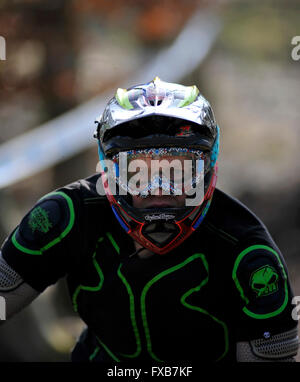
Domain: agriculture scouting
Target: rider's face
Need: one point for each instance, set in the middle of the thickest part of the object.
(158, 199)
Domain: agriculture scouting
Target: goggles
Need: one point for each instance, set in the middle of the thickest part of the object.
(160, 171)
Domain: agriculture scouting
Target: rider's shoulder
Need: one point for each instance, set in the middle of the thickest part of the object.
(254, 246)
(86, 189)
(233, 219)
(82, 192)
(58, 214)
(70, 198)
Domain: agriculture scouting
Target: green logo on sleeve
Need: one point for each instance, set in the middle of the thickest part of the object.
(264, 281)
(39, 220)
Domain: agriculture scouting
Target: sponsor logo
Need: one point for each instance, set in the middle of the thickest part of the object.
(264, 281)
(39, 220)
(159, 217)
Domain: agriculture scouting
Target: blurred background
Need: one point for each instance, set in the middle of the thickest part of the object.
(65, 59)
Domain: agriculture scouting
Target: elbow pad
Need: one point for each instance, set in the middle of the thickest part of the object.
(15, 292)
(279, 347)
(9, 279)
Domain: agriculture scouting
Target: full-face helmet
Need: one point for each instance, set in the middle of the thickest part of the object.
(158, 120)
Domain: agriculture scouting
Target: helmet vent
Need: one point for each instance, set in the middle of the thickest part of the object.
(153, 103)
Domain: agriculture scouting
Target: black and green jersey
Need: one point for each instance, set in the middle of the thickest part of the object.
(226, 283)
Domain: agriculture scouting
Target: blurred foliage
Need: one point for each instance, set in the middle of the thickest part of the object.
(261, 30)
(60, 52)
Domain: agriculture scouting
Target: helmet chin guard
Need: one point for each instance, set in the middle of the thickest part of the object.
(158, 115)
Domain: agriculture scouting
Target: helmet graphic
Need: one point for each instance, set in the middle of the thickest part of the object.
(158, 119)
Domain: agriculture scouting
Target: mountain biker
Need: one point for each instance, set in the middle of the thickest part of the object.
(155, 272)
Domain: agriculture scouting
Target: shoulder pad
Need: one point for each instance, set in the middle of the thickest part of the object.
(46, 224)
(261, 278)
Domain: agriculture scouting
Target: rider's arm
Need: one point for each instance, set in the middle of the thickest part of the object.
(16, 293)
(38, 252)
(266, 330)
(281, 347)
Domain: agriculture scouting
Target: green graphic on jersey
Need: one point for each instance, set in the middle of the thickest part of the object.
(264, 281)
(39, 220)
